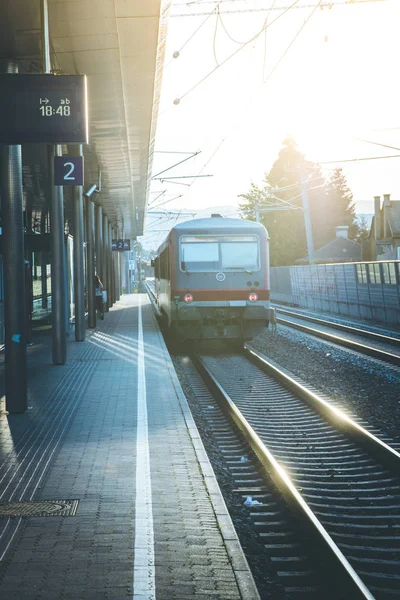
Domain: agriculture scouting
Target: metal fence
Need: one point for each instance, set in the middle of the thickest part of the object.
(368, 291)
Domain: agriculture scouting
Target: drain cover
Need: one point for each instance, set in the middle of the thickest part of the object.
(42, 508)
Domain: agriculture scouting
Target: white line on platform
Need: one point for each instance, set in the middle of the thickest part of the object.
(144, 587)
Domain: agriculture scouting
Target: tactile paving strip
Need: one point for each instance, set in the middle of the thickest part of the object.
(42, 508)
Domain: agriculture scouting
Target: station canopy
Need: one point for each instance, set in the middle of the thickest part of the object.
(119, 45)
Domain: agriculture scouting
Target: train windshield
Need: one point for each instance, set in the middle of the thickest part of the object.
(219, 253)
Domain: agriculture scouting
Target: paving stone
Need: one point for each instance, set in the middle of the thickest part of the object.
(93, 459)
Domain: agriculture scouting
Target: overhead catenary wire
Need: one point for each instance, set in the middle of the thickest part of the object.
(194, 33)
(327, 162)
(354, 160)
(289, 202)
(379, 144)
(315, 7)
(155, 199)
(219, 18)
(252, 39)
(167, 201)
(176, 164)
(326, 4)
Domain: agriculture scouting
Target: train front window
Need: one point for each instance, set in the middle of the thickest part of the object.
(199, 256)
(219, 253)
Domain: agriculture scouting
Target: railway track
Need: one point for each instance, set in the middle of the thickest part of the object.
(339, 480)
(363, 341)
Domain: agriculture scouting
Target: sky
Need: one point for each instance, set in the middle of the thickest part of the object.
(328, 77)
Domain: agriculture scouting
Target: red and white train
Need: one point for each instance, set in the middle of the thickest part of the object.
(212, 279)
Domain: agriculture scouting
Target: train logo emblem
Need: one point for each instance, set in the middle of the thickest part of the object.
(220, 276)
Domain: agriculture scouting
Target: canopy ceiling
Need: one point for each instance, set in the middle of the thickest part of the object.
(119, 45)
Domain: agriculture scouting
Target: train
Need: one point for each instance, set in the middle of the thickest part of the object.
(212, 279)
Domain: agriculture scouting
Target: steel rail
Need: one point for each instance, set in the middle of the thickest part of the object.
(379, 337)
(341, 341)
(355, 588)
(389, 457)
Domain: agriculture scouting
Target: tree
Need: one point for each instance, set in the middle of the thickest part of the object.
(280, 205)
(340, 204)
(330, 204)
(362, 230)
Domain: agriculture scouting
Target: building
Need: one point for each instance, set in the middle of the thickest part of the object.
(339, 250)
(384, 238)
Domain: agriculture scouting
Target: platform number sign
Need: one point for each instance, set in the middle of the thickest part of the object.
(120, 245)
(68, 170)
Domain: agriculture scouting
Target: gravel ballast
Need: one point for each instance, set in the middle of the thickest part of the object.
(364, 387)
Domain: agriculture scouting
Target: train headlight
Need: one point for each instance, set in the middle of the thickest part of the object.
(188, 298)
(253, 297)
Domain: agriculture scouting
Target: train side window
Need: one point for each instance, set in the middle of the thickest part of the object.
(163, 270)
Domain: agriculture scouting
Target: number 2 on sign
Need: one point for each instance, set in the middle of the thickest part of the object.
(72, 169)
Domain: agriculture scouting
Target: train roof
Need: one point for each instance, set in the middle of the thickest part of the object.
(217, 222)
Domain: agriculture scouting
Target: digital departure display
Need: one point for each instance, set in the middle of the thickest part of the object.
(43, 109)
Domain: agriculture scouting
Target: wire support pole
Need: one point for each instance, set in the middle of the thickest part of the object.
(307, 217)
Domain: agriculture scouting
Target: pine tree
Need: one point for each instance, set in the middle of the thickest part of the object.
(282, 211)
(341, 209)
(362, 230)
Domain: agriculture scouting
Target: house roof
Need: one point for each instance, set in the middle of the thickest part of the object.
(338, 250)
(393, 216)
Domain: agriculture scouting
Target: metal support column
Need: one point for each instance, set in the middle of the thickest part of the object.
(14, 274)
(111, 272)
(79, 257)
(58, 266)
(127, 274)
(99, 241)
(43, 260)
(116, 256)
(57, 243)
(90, 270)
(121, 262)
(105, 279)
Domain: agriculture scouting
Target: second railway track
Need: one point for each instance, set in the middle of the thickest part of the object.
(347, 479)
(363, 341)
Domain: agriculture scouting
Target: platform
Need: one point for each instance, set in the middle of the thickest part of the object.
(106, 491)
